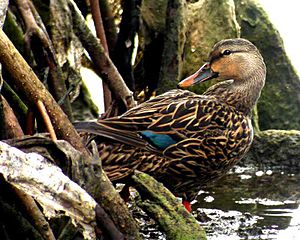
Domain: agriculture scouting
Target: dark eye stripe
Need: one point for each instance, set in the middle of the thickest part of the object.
(215, 57)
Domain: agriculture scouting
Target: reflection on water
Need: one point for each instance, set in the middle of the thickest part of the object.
(251, 204)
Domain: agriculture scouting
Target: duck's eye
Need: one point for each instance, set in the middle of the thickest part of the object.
(226, 52)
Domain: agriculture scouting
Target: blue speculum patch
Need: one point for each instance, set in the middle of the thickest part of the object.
(161, 141)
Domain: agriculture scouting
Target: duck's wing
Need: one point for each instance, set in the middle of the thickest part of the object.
(163, 121)
(102, 129)
(127, 128)
(143, 115)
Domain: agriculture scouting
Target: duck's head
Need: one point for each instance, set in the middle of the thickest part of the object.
(231, 59)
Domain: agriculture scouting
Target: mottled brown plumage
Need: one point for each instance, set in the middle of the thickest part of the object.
(183, 139)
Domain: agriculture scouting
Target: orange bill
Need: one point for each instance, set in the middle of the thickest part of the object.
(203, 74)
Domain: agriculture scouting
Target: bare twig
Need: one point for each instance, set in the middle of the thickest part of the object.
(96, 13)
(30, 120)
(35, 28)
(47, 121)
(95, 9)
(108, 19)
(29, 85)
(9, 124)
(104, 66)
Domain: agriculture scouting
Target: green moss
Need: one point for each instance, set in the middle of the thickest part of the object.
(14, 32)
(162, 206)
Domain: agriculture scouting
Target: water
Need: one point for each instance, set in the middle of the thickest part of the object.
(247, 203)
(251, 203)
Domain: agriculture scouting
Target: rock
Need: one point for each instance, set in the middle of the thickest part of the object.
(207, 23)
(154, 14)
(278, 107)
(275, 148)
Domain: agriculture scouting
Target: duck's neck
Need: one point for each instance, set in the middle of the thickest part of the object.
(242, 95)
